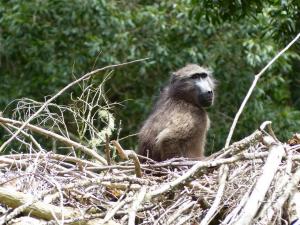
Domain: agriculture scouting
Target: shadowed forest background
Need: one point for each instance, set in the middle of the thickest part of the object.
(44, 45)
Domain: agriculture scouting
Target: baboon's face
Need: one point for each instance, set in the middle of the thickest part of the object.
(204, 88)
(195, 86)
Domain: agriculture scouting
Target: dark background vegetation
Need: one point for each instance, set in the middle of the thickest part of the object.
(44, 44)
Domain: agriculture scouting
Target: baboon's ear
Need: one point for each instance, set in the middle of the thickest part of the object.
(173, 78)
(161, 89)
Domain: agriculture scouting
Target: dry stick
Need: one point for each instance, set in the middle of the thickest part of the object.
(256, 78)
(290, 188)
(120, 150)
(129, 154)
(263, 184)
(243, 144)
(30, 137)
(63, 158)
(27, 204)
(180, 211)
(18, 200)
(229, 151)
(102, 179)
(9, 131)
(20, 159)
(252, 88)
(235, 211)
(58, 187)
(11, 162)
(137, 165)
(140, 196)
(226, 151)
(214, 208)
(239, 146)
(59, 93)
(265, 215)
(28, 220)
(164, 215)
(184, 220)
(107, 150)
(294, 208)
(85, 219)
(271, 132)
(233, 149)
(111, 213)
(200, 165)
(56, 136)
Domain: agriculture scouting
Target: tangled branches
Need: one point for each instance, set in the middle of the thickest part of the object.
(253, 181)
(63, 189)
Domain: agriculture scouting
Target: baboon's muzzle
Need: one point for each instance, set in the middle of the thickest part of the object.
(206, 99)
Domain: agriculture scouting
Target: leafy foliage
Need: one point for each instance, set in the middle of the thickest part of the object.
(44, 44)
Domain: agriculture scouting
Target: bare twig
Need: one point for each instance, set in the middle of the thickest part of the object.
(42, 210)
(86, 76)
(110, 214)
(256, 78)
(129, 154)
(266, 213)
(289, 190)
(107, 150)
(239, 145)
(137, 166)
(180, 211)
(234, 213)
(216, 204)
(139, 198)
(56, 136)
(200, 165)
(294, 208)
(120, 150)
(117, 195)
(271, 166)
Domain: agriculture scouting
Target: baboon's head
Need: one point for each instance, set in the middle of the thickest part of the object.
(193, 84)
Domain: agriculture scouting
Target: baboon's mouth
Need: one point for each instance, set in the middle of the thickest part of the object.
(207, 102)
(209, 99)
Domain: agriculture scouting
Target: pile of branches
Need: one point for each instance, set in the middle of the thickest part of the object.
(71, 173)
(253, 181)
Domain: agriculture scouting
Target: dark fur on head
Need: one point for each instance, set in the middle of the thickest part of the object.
(179, 122)
(183, 85)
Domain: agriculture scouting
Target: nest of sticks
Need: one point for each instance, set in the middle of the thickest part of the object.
(253, 181)
(62, 178)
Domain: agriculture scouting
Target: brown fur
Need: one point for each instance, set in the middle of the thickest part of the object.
(178, 124)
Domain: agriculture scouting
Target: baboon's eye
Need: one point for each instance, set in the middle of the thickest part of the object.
(199, 75)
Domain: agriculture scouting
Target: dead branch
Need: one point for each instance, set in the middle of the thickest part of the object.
(294, 208)
(128, 154)
(239, 146)
(107, 149)
(180, 211)
(216, 204)
(69, 142)
(113, 193)
(256, 78)
(38, 209)
(139, 198)
(263, 184)
(251, 178)
(200, 165)
(84, 77)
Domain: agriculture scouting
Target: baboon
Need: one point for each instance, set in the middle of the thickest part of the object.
(178, 123)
